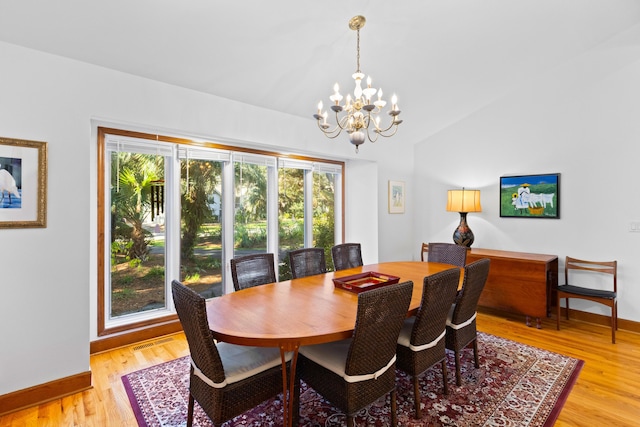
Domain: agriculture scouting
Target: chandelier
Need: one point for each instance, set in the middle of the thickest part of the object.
(359, 116)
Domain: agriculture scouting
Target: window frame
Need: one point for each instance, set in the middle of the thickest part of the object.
(104, 328)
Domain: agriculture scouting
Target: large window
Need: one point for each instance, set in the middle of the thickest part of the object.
(252, 176)
(201, 219)
(291, 213)
(174, 209)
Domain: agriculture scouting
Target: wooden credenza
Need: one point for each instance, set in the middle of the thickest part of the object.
(518, 282)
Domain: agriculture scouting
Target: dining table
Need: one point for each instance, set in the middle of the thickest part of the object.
(304, 311)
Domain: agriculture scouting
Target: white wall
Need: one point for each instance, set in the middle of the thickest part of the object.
(580, 120)
(395, 231)
(48, 303)
(362, 209)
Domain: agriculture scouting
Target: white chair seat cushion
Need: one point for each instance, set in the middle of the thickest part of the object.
(242, 362)
(333, 357)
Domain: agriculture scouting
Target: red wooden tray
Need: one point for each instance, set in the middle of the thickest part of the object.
(364, 281)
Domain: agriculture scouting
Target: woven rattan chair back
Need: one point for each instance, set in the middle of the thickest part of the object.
(461, 325)
(346, 255)
(307, 262)
(438, 294)
(447, 253)
(252, 270)
(381, 313)
(475, 277)
(372, 347)
(606, 271)
(192, 313)
(219, 403)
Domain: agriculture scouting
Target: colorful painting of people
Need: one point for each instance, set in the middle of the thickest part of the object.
(530, 195)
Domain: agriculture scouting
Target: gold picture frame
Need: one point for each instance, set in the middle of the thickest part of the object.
(396, 197)
(23, 183)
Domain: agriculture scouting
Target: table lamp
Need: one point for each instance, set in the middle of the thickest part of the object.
(463, 201)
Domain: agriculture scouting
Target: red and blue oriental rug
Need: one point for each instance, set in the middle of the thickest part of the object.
(516, 385)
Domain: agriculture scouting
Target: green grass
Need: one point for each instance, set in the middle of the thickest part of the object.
(507, 208)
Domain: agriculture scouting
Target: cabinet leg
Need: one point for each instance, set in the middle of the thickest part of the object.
(527, 321)
(538, 323)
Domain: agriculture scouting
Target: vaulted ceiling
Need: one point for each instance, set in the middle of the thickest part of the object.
(445, 59)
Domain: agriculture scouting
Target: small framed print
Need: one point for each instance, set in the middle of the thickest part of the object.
(23, 183)
(396, 197)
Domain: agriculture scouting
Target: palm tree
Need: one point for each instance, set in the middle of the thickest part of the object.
(251, 192)
(202, 179)
(131, 201)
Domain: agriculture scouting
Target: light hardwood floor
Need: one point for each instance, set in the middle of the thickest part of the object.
(606, 393)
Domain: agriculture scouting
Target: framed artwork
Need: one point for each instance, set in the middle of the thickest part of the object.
(23, 183)
(530, 196)
(396, 196)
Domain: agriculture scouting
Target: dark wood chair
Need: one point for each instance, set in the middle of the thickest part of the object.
(307, 262)
(424, 250)
(608, 297)
(346, 255)
(422, 339)
(218, 380)
(252, 270)
(354, 373)
(448, 253)
(461, 322)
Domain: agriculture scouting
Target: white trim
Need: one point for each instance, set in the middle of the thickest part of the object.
(206, 379)
(254, 159)
(137, 145)
(327, 168)
(295, 164)
(429, 344)
(365, 377)
(463, 324)
(197, 153)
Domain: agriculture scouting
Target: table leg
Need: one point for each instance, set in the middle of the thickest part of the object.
(288, 387)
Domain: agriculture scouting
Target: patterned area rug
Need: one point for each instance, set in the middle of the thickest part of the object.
(516, 385)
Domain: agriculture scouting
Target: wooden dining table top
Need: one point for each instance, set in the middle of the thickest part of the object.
(309, 310)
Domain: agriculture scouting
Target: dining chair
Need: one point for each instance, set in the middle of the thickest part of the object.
(461, 321)
(598, 271)
(307, 262)
(225, 379)
(421, 343)
(448, 253)
(346, 255)
(252, 270)
(424, 249)
(354, 373)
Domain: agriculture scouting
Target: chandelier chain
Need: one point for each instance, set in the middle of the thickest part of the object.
(358, 53)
